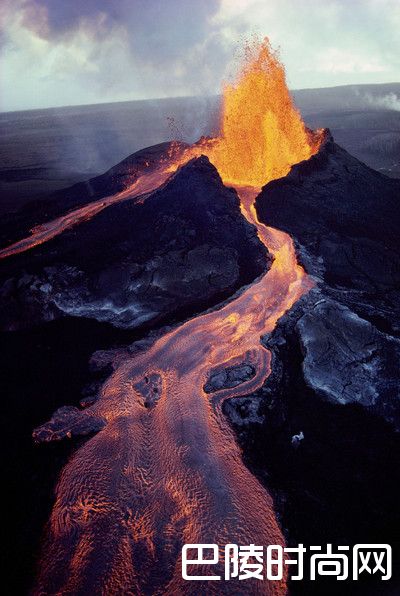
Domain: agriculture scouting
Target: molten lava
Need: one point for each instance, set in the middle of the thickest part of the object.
(156, 478)
(262, 133)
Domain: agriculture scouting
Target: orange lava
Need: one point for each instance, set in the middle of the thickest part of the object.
(156, 478)
(262, 133)
(139, 190)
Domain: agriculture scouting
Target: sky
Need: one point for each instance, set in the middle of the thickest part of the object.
(71, 52)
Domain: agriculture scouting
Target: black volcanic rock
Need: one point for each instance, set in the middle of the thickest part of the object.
(120, 176)
(346, 360)
(228, 377)
(346, 218)
(68, 421)
(185, 247)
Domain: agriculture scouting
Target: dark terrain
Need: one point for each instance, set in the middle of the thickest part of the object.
(184, 248)
(335, 355)
(335, 365)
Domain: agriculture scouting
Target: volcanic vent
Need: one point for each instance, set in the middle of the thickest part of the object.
(262, 133)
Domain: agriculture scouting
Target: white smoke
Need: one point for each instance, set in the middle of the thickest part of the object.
(390, 101)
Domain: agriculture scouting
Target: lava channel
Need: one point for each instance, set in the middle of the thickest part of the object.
(156, 478)
(160, 476)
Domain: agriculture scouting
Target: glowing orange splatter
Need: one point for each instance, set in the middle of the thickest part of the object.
(262, 133)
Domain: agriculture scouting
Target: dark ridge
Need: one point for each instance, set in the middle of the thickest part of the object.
(17, 225)
(186, 245)
(346, 216)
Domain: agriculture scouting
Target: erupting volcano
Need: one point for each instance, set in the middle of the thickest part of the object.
(164, 468)
(262, 136)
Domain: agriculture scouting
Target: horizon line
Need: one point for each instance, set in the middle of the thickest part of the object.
(177, 97)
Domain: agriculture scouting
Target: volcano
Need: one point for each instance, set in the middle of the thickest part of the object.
(250, 265)
(149, 271)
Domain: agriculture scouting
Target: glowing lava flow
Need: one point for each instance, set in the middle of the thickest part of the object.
(146, 183)
(158, 477)
(155, 479)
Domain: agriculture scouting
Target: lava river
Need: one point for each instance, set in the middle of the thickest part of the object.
(166, 469)
(158, 477)
(145, 183)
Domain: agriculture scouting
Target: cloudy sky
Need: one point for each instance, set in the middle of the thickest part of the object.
(65, 52)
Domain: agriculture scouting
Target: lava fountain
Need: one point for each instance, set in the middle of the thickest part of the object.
(262, 132)
(158, 477)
